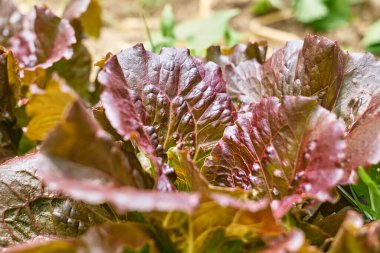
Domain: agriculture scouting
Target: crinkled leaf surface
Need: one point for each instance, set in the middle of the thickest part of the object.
(345, 83)
(50, 40)
(28, 209)
(89, 14)
(10, 21)
(313, 68)
(167, 99)
(283, 149)
(318, 68)
(82, 160)
(117, 238)
(47, 108)
(9, 96)
(237, 53)
(364, 137)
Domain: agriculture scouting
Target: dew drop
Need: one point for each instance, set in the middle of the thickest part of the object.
(159, 148)
(149, 130)
(255, 193)
(277, 173)
(160, 99)
(254, 180)
(240, 173)
(270, 150)
(175, 136)
(255, 167)
(154, 136)
(307, 156)
(162, 112)
(312, 145)
(299, 175)
(275, 191)
(307, 187)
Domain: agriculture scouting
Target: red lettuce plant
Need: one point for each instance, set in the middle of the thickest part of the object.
(180, 154)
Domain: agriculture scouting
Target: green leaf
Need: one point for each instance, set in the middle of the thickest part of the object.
(371, 39)
(308, 11)
(339, 14)
(201, 33)
(261, 7)
(373, 191)
(167, 22)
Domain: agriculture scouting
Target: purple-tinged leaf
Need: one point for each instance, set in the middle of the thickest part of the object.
(123, 198)
(361, 83)
(119, 107)
(244, 82)
(286, 149)
(116, 238)
(252, 51)
(363, 139)
(291, 242)
(311, 68)
(344, 83)
(241, 69)
(164, 100)
(10, 21)
(81, 160)
(29, 210)
(50, 40)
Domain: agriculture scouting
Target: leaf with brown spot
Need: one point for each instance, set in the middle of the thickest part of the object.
(50, 40)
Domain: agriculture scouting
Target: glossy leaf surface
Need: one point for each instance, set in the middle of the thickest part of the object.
(164, 100)
(284, 149)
